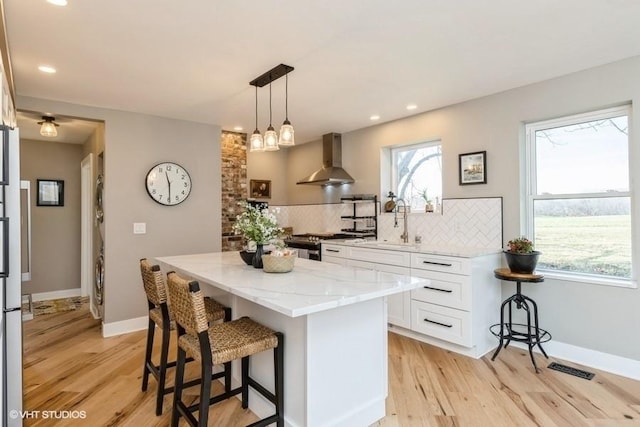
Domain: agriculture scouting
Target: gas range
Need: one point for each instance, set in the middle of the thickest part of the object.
(309, 244)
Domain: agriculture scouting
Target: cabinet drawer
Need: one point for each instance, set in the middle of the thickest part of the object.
(444, 323)
(334, 260)
(451, 290)
(402, 259)
(333, 251)
(446, 264)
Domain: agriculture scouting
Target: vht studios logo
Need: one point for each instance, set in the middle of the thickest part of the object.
(52, 415)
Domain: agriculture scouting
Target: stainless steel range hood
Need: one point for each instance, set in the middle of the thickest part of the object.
(331, 172)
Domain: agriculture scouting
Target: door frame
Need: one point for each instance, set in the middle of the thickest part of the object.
(87, 217)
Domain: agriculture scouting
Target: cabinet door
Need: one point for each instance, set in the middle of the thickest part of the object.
(398, 305)
(334, 260)
(444, 323)
(451, 290)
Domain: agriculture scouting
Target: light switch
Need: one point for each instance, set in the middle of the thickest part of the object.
(139, 228)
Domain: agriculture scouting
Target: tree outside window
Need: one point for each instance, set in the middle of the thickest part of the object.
(417, 173)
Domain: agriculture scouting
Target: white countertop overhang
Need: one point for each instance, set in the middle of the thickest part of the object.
(311, 287)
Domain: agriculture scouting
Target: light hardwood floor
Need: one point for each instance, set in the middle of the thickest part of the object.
(69, 366)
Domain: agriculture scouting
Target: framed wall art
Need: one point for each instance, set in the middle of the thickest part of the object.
(50, 192)
(259, 189)
(472, 168)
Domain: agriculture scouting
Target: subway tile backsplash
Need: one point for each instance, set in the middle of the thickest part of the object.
(471, 222)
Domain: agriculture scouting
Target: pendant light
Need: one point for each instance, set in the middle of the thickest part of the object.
(48, 127)
(286, 130)
(256, 142)
(270, 136)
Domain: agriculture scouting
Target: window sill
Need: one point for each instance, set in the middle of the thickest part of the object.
(589, 279)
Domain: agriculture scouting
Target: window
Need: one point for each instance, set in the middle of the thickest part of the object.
(578, 200)
(416, 173)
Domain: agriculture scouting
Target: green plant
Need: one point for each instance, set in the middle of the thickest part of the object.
(425, 196)
(520, 245)
(258, 225)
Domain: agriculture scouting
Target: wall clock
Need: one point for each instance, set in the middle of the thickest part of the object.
(168, 183)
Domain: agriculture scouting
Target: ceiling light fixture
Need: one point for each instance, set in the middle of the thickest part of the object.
(47, 69)
(286, 130)
(58, 2)
(412, 107)
(256, 143)
(374, 117)
(270, 136)
(48, 127)
(271, 140)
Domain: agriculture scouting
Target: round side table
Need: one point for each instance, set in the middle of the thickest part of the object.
(530, 334)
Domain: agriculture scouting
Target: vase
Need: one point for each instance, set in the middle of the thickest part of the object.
(522, 263)
(257, 258)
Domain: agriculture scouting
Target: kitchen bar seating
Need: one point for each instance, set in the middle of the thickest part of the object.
(217, 344)
(159, 314)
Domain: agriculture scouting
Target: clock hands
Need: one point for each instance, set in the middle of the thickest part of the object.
(168, 185)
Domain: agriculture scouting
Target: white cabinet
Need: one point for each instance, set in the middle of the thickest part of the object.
(333, 253)
(459, 305)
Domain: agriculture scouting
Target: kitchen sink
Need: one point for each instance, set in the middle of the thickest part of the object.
(389, 245)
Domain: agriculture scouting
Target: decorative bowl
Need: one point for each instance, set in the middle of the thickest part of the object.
(278, 264)
(247, 257)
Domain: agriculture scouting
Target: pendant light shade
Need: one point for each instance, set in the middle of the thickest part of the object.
(270, 136)
(256, 143)
(48, 127)
(286, 130)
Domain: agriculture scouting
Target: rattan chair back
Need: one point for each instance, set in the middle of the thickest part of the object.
(187, 304)
(153, 281)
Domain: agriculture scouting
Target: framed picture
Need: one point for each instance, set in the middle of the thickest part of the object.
(472, 168)
(259, 189)
(50, 192)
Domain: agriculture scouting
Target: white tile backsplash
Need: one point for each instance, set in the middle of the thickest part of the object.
(471, 222)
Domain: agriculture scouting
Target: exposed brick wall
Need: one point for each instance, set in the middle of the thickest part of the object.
(234, 185)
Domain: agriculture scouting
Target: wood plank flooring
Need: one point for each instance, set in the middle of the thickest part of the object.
(69, 366)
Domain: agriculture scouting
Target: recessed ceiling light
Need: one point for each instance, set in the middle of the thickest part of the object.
(411, 106)
(58, 2)
(238, 128)
(374, 117)
(47, 69)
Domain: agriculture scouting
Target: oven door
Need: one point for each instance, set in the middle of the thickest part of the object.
(314, 254)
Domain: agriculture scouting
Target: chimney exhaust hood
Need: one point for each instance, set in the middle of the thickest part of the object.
(331, 172)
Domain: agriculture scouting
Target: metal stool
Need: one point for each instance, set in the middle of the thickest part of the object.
(532, 335)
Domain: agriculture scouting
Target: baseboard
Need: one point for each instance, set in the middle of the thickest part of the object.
(592, 358)
(63, 293)
(124, 326)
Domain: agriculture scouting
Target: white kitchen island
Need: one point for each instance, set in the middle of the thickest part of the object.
(334, 321)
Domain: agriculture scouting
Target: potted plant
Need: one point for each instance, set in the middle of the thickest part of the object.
(521, 258)
(428, 207)
(259, 226)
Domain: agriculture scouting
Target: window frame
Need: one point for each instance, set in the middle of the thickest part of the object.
(393, 149)
(530, 196)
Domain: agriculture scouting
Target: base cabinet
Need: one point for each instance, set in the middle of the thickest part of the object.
(454, 311)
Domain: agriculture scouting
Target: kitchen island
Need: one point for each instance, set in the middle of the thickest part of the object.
(334, 320)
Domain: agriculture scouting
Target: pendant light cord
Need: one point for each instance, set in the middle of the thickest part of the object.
(256, 107)
(269, 103)
(286, 96)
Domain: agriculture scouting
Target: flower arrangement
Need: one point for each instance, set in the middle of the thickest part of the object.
(520, 245)
(258, 225)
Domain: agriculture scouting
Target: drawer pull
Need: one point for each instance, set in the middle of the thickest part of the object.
(332, 250)
(438, 289)
(443, 264)
(438, 323)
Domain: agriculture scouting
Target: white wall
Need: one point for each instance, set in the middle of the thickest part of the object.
(133, 144)
(595, 317)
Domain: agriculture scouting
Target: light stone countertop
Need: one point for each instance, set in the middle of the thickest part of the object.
(422, 248)
(311, 287)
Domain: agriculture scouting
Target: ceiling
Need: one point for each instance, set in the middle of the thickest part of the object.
(193, 60)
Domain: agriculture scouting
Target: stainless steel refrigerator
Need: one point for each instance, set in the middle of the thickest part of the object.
(10, 280)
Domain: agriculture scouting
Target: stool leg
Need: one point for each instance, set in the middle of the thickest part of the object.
(278, 363)
(205, 393)
(147, 355)
(502, 307)
(177, 391)
(536, 326)
(162, 368)
(245, 382)
(531, 341)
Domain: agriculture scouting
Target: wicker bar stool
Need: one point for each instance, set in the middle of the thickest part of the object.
(216, 344)
(159, 314)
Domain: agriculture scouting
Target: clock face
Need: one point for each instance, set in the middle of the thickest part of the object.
(168, 183)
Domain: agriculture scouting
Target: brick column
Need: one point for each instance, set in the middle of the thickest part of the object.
(234, 185)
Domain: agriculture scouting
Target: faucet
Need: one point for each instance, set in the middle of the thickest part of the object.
(405, 234)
